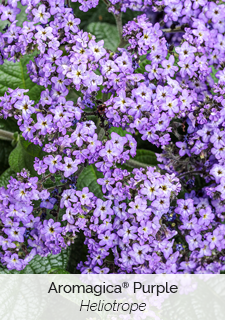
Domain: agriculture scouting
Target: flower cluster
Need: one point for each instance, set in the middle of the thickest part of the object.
(132, 231)
(22, 234)
(164, 219)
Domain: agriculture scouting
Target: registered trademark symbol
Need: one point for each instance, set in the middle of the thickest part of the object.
(125, 285)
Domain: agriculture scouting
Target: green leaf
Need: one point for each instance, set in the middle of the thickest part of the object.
(8, 125)
(22, 16)
(146, 156)
(73, 95)
(106, 32)
(14, 75)
(88, 178)
(143, 159)
(181, 195)
(145, 144)
(19, 159)
(5, 176)
(34, 150)
(31, 148)
(5, 149)
(142, 66)
(49, 183)
(119, 131)
(42, 265)
(100, 13)
(213, 74)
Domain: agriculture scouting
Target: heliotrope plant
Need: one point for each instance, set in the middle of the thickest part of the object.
(162, 87)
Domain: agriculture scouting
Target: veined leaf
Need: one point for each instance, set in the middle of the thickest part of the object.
(43, 264)
(143, 159)
(106, 32)
(5, 176)
(88, 178)
(14, 75)
(119, 131)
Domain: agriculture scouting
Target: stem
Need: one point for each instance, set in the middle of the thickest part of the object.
(173, 30)
(107, 3)
(135, 164)
(119, 24)
(189, 172)
(118, 18)
(46, 177)
(6, 135)
(52, 188)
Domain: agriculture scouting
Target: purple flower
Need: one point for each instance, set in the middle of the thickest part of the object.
(103, 209)
(44, 123)
(57, 6)
(187, 67)
(128, 232)
(50, 228)
(13, 262)
(185, 51)
(40, 15)
(70, 166)
(217, 172)
(43, 33)
(70, 212)
(48, 203)
(109, 151)
(185, 207)
(6, 243)
(68, 196)
(60, 82)
(139, 252)
(194, 240)
(85, 196)
(106, 239)
(183, 148)
(169, 67)
(9, 13)
(204, 249)
(97, 49)
(221, 187)
(25, 105)
(206, 216)
(77, 74)
(54, 163)
(71, 23)
(215, 239)
(15, 233)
